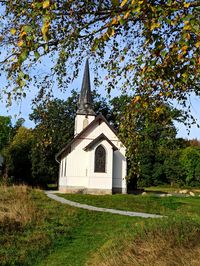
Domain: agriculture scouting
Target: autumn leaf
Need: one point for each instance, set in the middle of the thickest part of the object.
(127, 14)
(158, 110)
(180, 56)
(45, 29)
(184, 48)
(154, 25)
(22, 34)
(13, 31)
(136, 99)
(20, 43)
(187, 27)
(187, 5)
(123, 3)
(197, 44)
(46, 4)
(188, 36)
(114, 21)
(184, 75)
(112, 33)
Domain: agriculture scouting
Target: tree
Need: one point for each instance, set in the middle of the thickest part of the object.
(17, 156)
(54, 120)
(151, 47)
(190, 162)
(150, 137)
(5, 131)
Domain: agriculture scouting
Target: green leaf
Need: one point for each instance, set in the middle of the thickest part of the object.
(37, 55)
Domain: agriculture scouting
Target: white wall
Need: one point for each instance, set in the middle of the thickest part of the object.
(119, 169)
(101, 180)
(80, 163)
(79, 122)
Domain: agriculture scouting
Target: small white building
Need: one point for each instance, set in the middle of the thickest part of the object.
(94, 161)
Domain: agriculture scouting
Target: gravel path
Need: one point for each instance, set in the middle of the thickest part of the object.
(98, 209)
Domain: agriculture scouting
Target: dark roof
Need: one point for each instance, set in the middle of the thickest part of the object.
(99, 138)
(85, 103)
(67, 148)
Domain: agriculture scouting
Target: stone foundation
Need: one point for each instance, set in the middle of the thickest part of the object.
(118, 190)
(83, 190)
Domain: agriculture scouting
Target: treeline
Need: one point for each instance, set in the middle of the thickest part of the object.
(145, 125)
(29, 154)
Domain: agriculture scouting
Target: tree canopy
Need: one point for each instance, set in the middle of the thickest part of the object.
(149, 46)
(17, 155)
(5, 131)
(149, 135)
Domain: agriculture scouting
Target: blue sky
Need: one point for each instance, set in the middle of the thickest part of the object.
(23, 108)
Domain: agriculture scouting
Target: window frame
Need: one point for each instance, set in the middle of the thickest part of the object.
(95, 158)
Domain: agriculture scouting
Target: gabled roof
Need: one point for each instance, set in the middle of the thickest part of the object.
(67, 148)
(98, 139)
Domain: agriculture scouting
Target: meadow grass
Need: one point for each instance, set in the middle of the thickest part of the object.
(53, 234)
(148, 203)
(35, 230)
(166, 242)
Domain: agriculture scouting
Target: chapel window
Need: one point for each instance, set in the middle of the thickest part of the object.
(100, 160)
(85, 123)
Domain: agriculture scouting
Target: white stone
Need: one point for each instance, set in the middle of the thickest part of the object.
(184, 191)
(191, 193)
(162, 195)
(168, 195)
(144, 193)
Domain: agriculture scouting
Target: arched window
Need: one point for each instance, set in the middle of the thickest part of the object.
(100, 160)
(85, 123)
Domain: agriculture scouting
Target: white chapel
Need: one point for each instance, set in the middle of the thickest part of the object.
(94, 161)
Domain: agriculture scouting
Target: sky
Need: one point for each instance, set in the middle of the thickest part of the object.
(23, 108)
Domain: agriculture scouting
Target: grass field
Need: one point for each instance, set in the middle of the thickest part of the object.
(189, 206)
(35, 230)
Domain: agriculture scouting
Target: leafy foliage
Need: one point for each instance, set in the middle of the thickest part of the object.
(190, 162)
(18, 156)
(150, 137)
(151, 46)
(5, 131)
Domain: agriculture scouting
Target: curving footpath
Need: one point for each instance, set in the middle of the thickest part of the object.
(98, 209)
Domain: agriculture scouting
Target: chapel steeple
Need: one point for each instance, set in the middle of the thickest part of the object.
(85, 103)
(85, 113)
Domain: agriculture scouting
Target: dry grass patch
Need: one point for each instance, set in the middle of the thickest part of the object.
(175, 244)
(31, 225)
(17, 209)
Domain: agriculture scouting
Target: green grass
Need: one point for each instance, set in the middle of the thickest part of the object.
(148, 203)
(91, 231)
(169, 189)
(62, 235)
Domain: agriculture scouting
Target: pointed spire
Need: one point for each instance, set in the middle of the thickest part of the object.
(85, 103)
